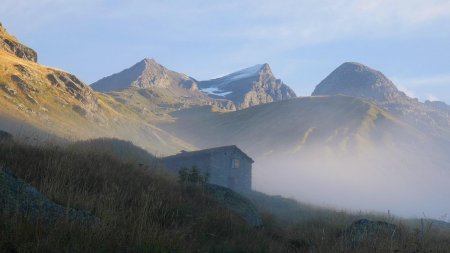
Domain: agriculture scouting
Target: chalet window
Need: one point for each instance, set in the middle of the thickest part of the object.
(235, 163)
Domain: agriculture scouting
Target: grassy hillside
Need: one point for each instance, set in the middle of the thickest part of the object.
(54, 101)
(142, 209)
(341, 124)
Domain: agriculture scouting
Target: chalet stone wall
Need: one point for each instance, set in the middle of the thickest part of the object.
(219, 167)
(222, 172)
(202, 162)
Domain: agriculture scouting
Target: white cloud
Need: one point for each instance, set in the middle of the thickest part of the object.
(432, 97)
(407, 91)
(289, 22)
(317, 21)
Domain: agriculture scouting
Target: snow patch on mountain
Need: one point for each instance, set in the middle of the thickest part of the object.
(241, 74)
(248, 72)
(215, 91)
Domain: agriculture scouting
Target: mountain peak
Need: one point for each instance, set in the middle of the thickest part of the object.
(250, 72)
(358, 80)
(149, 61)
(248, 87)
(355, 65)
(145, 74)
(266, 69)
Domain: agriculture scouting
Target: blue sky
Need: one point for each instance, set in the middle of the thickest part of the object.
(303, 41)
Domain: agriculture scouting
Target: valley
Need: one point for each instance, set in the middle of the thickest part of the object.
(358, 148)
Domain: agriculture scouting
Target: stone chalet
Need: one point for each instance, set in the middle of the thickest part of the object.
(227, 166)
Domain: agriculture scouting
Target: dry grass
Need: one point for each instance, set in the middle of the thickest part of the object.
(55, 109)
(142, 209)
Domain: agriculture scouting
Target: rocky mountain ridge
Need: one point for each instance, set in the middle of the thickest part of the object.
(151, 90)
(238, 90)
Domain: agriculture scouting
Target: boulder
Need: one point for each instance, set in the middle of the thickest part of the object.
(5, 135)
(19, 198)
(235, 203)
(365, 230)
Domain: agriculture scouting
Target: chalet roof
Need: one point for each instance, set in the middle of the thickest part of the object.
(183, 153)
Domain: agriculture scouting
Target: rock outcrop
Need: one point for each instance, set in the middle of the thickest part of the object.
(365, 230)
(248, 87)
(5, 136)
(10, 44)
(77, 89)
(19, 198)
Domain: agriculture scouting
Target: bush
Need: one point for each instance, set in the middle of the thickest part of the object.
(192, 176)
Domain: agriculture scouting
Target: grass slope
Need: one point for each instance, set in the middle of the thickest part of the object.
(142, 209)
(341, 124)
(54, 101)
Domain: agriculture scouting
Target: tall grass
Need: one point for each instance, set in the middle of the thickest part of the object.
(144, 209)
(141, 208)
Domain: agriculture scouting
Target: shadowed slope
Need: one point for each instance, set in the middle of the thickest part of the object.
(341, 124)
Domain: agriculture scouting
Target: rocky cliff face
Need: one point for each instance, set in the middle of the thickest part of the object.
(10, 44)
(248, 87)
(358, 80)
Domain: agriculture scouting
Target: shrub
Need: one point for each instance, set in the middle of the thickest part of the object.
(192, 176)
